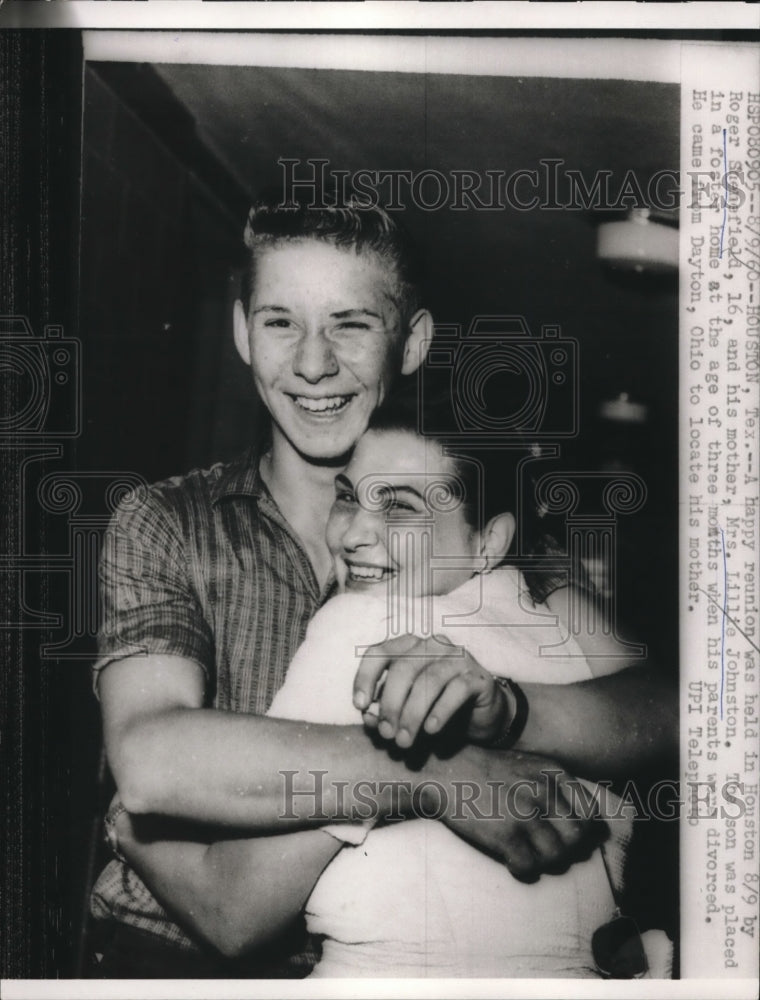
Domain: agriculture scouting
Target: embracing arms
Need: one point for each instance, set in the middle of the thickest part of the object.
(266, 775)
(237, 894)
(171, 756)
(182, 760)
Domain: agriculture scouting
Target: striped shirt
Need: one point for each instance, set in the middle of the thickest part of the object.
(206, 567)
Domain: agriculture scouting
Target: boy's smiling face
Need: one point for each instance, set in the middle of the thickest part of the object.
(324, 339)
(391, 515)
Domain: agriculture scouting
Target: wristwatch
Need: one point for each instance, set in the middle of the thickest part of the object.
(109, 828)
(514, 730)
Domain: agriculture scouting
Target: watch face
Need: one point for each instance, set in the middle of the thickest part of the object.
(110, 835)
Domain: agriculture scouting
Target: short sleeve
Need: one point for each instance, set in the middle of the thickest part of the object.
(148, 602)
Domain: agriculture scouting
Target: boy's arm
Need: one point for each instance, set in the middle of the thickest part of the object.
(240, 894)
(171, 757)
(236, 895)
(633, 706)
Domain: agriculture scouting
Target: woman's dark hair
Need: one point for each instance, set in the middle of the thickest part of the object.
(488, 475)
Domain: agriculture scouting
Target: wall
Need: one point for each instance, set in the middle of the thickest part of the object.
(156, 253)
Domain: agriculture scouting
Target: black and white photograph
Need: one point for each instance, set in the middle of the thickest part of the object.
(380, 442)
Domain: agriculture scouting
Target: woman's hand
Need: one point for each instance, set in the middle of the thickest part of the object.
(408, 685)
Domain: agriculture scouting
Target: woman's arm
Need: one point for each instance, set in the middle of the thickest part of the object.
(235, 894)
(622, 721)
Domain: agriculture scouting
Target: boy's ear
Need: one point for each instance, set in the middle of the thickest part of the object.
(240, 331)
(417, 341)
(496, 538)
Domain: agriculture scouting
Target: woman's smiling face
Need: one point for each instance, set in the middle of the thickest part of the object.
(395, 509)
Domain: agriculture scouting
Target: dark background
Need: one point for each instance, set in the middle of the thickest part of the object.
(167, 159)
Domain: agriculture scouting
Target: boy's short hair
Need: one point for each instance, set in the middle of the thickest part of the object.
(349, 224)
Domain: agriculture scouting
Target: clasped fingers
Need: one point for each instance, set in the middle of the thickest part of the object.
(417, 685)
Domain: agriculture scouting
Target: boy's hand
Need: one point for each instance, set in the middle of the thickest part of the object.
(521, 808)
(408, 685)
